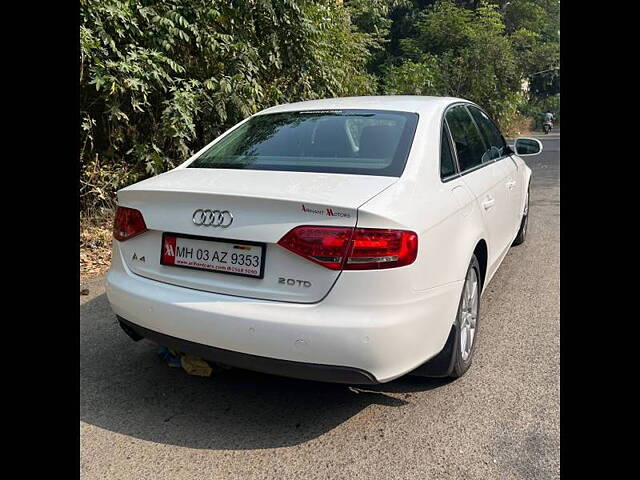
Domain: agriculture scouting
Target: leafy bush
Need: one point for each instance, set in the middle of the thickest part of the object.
(482, 54)
(459, 52)
(161, 78)
(412, 78)
(158, 79)
(538, 107)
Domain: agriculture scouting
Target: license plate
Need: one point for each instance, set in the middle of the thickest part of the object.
(213, 254)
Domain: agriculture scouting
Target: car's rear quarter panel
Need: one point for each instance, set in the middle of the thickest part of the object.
(448, 232)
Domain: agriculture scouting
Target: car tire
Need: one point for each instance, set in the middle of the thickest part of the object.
(467, 320)
(456, 356)
(524, 223)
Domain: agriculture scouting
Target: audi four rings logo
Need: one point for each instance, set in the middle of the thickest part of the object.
(212, 218)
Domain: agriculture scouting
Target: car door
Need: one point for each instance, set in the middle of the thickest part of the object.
(484, 177)
(514, 178)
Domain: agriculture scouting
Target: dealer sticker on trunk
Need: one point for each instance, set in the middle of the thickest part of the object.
(222, 256)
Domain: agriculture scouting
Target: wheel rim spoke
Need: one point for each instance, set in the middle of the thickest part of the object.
(468, 313)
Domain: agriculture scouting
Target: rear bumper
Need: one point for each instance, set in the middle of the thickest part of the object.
(338, 339)
(274, 366)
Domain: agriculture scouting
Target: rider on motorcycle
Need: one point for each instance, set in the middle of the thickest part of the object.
(548, 122)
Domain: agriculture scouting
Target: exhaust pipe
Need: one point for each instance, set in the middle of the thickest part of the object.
(135, 336)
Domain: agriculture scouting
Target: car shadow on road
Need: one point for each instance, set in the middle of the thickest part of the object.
(126, 388)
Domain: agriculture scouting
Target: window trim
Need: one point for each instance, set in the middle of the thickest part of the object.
(461, 173)
(494, 124)
(456, 167)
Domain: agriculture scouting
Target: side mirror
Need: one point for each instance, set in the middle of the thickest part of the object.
(527, 146)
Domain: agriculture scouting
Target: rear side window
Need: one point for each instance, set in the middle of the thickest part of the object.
(469, 144)
(365, 142)
(447, 167)
(493, 138)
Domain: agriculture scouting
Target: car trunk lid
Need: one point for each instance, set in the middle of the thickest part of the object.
(265, 205)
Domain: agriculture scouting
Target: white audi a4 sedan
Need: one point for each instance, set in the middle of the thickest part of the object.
(343, 240)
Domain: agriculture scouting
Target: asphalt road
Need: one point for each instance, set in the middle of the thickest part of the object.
(141, 419)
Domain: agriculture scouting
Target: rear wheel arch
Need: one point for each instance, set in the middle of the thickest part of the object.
(481, 253)
(450, 361)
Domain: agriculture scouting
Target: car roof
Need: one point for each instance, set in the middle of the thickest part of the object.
(404, 103)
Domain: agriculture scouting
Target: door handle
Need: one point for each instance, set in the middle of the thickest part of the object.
(511, 184)
(488, 203)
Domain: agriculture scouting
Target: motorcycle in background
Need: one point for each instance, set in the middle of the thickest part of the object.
(547, 126)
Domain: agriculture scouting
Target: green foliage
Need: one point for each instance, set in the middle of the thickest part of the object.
(538, 107)
(463, 53)
(524, 15)
(337, 61)
(475, 50)
(412, 78)
(161, 78)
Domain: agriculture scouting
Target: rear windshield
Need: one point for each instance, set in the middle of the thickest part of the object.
(365, 142)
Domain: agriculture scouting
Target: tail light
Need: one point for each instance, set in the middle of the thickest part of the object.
(128, 223)
(347, 248)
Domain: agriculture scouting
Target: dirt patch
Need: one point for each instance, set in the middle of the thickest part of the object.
(95, 244)
(521, 127)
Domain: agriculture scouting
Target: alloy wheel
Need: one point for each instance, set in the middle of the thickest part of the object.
(469, 313)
